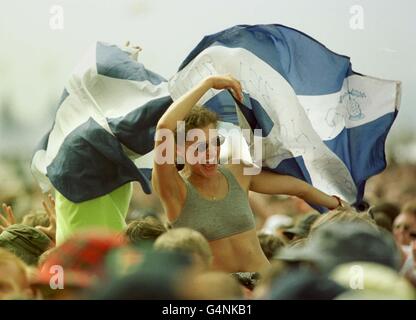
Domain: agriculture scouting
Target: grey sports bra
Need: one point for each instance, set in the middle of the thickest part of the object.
(217, 219)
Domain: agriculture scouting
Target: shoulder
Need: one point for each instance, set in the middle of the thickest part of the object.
(237, 170)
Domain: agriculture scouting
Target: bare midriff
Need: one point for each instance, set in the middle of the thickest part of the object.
(238, 253)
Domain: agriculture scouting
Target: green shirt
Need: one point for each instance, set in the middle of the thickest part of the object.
(105, 212)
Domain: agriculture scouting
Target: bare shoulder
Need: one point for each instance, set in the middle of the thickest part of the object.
(238, 172)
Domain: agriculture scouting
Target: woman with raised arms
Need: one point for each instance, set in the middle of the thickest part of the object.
(213, 198)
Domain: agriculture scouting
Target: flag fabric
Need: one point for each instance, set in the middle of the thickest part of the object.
(320, 121)
(104, 126)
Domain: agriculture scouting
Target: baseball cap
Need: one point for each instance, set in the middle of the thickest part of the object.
(341, 242)
(26, 242)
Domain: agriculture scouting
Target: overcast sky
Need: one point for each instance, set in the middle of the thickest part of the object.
(36, 60)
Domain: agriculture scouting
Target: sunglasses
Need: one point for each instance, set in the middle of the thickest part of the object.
(215, 142)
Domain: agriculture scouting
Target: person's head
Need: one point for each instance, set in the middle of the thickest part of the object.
(384, 214)
(389, 209)
(148, 228)
(187, 241)
(340, 242)
(404, 226)
(269, 244)
(304, 284)
(77, 264)
(14, 282)
(154, 274)
(34, 219)
(26, 242)
(201, 151)
(342, 215)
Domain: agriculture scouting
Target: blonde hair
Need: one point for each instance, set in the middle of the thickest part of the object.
(187, 241)
(148, 228)
(342, 215)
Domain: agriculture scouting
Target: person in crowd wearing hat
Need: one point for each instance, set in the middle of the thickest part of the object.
(14, 280)
(44, 221)
(26, 242)
(213, 198)
(187, 241)
(339, 258)
(339, 242)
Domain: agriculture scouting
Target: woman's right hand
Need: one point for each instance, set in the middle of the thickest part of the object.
(227, 82)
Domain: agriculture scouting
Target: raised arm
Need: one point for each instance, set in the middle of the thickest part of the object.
(166, 180)
(181, 107)
(273, 183)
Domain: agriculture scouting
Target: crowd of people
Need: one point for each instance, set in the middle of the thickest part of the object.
(217, 233)
(342, 254)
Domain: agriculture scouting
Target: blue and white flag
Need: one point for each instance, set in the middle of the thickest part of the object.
(321, 121)
(104, 126)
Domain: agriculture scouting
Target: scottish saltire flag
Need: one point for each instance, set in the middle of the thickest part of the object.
(104, 126)
(321, 121)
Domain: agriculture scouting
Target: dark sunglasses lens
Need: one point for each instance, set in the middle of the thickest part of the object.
(218, 141)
